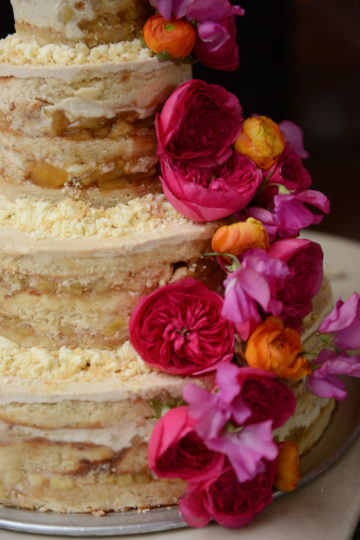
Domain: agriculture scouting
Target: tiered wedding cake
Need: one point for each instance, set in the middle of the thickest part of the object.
(85, 232)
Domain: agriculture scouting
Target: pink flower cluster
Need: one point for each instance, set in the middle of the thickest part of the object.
(275, 282)
(221, 443)
(206, 179)
(215, 45)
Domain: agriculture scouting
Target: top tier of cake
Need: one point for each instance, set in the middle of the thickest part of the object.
(69, 21)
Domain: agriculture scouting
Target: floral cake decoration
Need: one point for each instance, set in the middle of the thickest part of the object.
(250, 174)
(204, 29)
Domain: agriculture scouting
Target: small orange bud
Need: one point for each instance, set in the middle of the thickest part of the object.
(275, 348)
(177, 36)
(287, 474)
(261, 140)
(239, 237)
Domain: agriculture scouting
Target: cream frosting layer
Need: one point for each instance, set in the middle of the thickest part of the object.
(117, 437)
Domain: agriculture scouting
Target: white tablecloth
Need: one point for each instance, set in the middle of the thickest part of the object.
(327, 508)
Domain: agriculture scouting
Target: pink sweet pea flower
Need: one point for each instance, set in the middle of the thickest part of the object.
(226, 500)
(292, 215)
(323, 381)
(216, 45)
(211, 193)
(294, 135)
(344, 323)
(252, 287)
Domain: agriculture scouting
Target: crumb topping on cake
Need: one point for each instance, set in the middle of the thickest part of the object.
(71, 219)
(14, 51)
(65, 363)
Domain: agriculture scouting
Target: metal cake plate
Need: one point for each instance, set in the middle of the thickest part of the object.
(340, 434)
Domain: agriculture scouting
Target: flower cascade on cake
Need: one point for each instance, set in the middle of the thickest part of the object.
(205, 29)
(249, 173)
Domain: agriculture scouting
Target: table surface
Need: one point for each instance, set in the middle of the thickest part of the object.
(328, 507)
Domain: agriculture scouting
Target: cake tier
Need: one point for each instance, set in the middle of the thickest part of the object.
(71, 274)
(80, 122)
(74, 428)
(70, 21)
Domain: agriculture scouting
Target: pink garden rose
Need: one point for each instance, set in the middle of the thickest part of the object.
(266, 397)
(344, 323)
(207, 194)
(305, 262)
(179, 329)
(226, 500)
(198, 124)
(176, 451)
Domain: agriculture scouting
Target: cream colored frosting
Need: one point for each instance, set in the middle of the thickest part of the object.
(53, 14)
(116, 437)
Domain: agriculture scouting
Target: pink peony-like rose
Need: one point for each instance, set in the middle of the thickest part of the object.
(227, 501)
(207, 194)
(179, 329)
(289, 172)
(176, 451)
(305, 262)
(198, 124)
(265, 396)
(344, 323)
(224, 56)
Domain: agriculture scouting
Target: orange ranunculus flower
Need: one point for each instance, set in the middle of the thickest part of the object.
(287, 473)
(239, 237)
(177, 36)
(261, 140)
(275, 348)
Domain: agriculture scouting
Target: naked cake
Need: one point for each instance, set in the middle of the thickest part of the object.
(110, 282)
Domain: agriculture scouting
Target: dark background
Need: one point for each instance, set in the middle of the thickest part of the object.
(300, 60)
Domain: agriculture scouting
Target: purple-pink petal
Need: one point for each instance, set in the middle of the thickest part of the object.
(246, 449)
(323, 381)
(294, 135)
(344, 322)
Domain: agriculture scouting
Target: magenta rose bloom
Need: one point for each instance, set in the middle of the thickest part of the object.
(265, 396)
(198, 124)
(179, 329)
(176, 451)
(224, 56)
(305, 262)
(226, 500)
(207, 194)
(289, 172)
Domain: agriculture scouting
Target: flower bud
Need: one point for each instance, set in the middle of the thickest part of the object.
(261, 140)
(287, 473)
(176, 37)
(239, 237)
